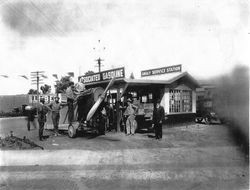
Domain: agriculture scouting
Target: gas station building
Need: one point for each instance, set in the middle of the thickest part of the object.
(175, 89)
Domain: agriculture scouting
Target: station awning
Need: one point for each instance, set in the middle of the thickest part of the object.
(182, 78)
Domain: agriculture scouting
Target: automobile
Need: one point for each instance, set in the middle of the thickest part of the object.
(207, 117)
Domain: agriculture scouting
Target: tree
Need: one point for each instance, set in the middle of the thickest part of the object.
(46, 89)
(89, 73)
(62, 84)
(32, 91)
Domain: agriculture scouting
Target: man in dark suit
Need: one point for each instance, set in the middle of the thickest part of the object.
(30, 113)
(42, 111)
(158, 117)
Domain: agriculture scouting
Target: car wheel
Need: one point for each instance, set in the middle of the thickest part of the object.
(207, 120)
(71, 131)
(198, 120)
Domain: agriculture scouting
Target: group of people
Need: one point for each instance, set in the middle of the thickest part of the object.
(54, 107)
(43, 109)
(158, 118)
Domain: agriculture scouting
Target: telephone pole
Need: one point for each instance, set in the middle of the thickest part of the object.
(99, 63)
(36, 79)
(99, 60)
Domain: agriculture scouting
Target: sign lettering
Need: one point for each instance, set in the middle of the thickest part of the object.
(102, 76)
(163, 70)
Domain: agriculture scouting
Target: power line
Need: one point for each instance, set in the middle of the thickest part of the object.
(99, 60)
(36, 78)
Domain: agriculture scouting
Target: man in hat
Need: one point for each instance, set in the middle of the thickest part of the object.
(158, 117)
(56, 106)
(130, 113)
(42, 111)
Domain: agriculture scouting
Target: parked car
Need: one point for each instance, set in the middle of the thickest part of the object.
(207, 117)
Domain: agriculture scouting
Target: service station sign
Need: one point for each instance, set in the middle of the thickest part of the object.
(103, 76)
(163, 70)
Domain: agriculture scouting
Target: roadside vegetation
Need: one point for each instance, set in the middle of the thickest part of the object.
(16, 112)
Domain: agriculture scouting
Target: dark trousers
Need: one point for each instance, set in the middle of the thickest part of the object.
(158, 131)
(30, 119)
(55, 120)
(28, 124)
(41, 127)
(70, 110)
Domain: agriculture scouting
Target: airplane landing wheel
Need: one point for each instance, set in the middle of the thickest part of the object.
(72, 131)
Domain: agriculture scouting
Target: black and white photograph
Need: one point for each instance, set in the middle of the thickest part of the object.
(124, 94)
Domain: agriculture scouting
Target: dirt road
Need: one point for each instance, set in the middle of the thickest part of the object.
(188, 157)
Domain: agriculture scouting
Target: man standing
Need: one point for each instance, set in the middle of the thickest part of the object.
(130, 113)
(158, 117)
(55, 108)
(70, 101)
(30, 112)
(42, 111)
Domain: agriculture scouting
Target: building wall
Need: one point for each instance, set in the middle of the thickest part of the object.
(205, 96)
(48, 98)
(8, 102)
(166, 99)
(194, 101)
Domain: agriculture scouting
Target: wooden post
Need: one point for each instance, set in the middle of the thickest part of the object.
(37, 93)
(118, 114)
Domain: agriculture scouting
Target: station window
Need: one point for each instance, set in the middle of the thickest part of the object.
(187, 101)
(175, 101)
(150, 96)
(144, 99)
(180, 101)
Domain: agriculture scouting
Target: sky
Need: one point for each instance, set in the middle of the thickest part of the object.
(208, 38)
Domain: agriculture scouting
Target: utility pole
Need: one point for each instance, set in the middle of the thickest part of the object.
(36, 79)
(99, 60)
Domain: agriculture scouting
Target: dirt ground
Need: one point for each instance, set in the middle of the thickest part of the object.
(185, 135)
(191, 156)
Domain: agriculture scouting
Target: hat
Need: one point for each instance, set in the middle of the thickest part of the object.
(27, 107)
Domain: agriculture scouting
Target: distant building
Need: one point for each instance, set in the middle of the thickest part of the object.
(48, 98)
(9, 102)
(205, 95)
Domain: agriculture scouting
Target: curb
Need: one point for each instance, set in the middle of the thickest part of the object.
(12, 118)
(194, 174)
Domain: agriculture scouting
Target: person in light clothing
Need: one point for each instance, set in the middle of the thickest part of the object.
(130, 113)
(56, 106)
